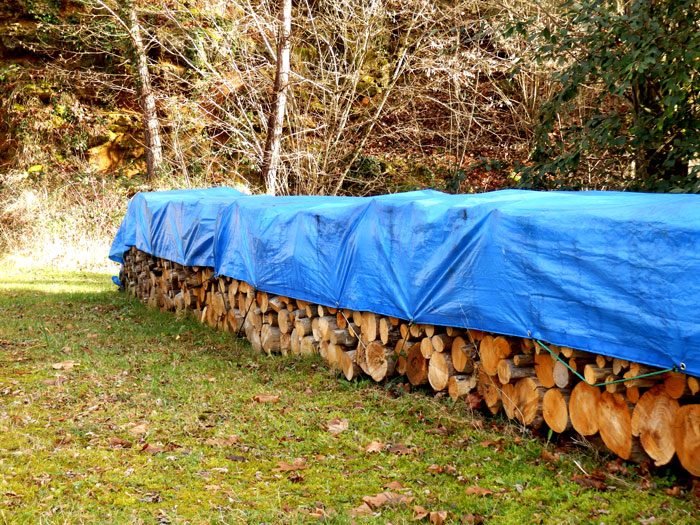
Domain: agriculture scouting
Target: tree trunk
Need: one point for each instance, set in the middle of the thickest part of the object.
(271, 156)
(151, 128)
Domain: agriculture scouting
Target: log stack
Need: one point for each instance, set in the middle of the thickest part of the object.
(655, 417)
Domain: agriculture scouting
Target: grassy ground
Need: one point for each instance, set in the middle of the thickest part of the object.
(157, 422)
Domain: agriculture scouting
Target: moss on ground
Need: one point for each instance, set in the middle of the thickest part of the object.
(156, 423)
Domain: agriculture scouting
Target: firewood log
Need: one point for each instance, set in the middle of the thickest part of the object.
(303, 326)
(693, 385)
(544, 369)
(453, 332)
(284, 321)
(380, 361)
(528, 402)
(632, 394)
(349, 367)
(686, 437)
(619, 366)
(440, 369)
(676, 383)
(523, 359)
(508, 400)
(441, 342)
(562, 376)
(295, 342)
(426, 347)
(370, 326)
(555, 410)
(285, 343)
(464, 354)
(594, 375)
(490, 389)
(416, 330)
(342, 337)
(614, 423)
(270, 338)
(583, 407)
(416, 366)
(652, 421)
(507, 371)
(309, 346)
(492, 350)
(388, 333)
(460, 385)
(326, 325)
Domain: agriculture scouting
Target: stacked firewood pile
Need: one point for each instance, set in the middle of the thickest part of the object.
(657, 416)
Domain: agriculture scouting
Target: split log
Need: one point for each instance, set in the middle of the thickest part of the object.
(544, 369)
(416, 366)
(440, 369)
(342, 337)
(555, 410)
(348, 366)
(270, 338)
(490, 389)
(285, 343)
(308, 346)
(583, 408)
(460, 385)
(686, 437)
(614, 423)
(652, 421)
(528, 402)
(370, 326)
(361, 356)
(464, 354)
(295, 342)
(388, 333)
(303, 326)
(426, 347)
(284, 321)
(380, 361)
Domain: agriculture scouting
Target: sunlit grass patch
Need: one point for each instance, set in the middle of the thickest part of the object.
(112, 412)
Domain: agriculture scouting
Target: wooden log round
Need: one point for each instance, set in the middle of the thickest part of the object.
(675, 383)
(508, 400)
(460, 385)
(440, 369)
(441, 342)
(555, 410)
(270, 338)
(686, 437)
(426, 347)
(544, 369)
(652, 421)
(562, 376)
(492, 350)
(463, 355)
(348, 366)
(416, 366)
(370, 326)
(380, 361)
(615, 424)
(528, 402)
(507, 371)
(490, 389)
(583, 407)
(284, 321)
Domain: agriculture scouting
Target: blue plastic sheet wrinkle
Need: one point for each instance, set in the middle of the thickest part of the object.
(607, 272)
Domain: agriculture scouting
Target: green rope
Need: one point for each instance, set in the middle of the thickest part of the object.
(672, 369)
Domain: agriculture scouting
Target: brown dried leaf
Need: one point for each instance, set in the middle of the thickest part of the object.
(362, 510)
(589, 482)
(374, 446)
(65, 365)
(479, 491)
(222, 442)
(438, 517)
(437, 469)
(151, 449)
(400, 450)
(419, 513)
(394, 485)
(376, 501)
(213, 488)
(266, 398)
(337, 425)
(139, 429)
(549, 456)
(117, 442)
(298, 464)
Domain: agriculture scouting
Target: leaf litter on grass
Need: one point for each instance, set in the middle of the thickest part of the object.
(160, 420)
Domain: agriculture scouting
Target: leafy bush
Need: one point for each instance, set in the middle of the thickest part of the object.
(627, 114)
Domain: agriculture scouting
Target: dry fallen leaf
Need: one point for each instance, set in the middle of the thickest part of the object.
(388, 497)
(139, 429)
(478, 491)
(213, 488)
(65, 365)
(400, 450)
(376, 501)
(394, 485)
(438, 517)
(437, 469)
(550, 457)
(298, 464)
(151, 449)
(362, 510)
(375, 446)
(222, 442)
(419, 513)
(337, 425)
(117, 442)
(266, 398)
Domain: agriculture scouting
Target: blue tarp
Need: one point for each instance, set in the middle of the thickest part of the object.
(177, 225)
(611, 273)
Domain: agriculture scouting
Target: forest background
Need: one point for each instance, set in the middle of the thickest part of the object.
(381, 96)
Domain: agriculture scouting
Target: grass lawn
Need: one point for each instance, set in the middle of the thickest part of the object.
(114, 413)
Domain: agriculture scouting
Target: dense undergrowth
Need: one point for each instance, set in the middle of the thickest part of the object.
(111, 413)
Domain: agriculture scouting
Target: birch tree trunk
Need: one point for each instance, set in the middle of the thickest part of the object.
(271, 156)
(151, 128)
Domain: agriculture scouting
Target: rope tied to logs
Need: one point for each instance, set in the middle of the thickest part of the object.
(624, 380)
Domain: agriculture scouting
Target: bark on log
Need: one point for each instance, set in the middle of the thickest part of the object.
(507, 371)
